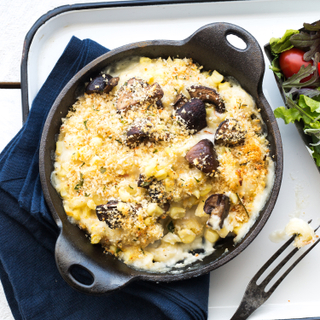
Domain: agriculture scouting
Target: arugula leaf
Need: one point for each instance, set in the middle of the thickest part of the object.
(309, 41)
(294, 81)
(279, 45)
(312, 27)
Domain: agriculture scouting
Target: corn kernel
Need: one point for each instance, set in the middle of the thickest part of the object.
(186, 235)
(76, 214)
(95, 238)
(205, 190)
(151, 169)
(161, 174)
(59, 147)
(199, 211)
(96, 142)
(224, 86)
(171, 238)
(124, 195)
(211, 235)
(145, 60)
(154, 209)
(190, 202)
(223, 232)
(75, 203)
(233, 197)
(123, 208)
(216, 77)
(149, 221)
(196, 193)
(91, 204)
(75, 155)
(237, 229)
(177, 212)
(169, 184)
(95, 160)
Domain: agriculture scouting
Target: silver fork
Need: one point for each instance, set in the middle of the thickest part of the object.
(255, 295)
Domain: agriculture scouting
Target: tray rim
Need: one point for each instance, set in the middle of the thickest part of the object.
(85, 6)
(78, 7)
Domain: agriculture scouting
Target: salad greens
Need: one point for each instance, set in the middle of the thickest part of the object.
(302, 97)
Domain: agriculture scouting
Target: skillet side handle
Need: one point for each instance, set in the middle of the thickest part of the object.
(247, 63)
(68, 258)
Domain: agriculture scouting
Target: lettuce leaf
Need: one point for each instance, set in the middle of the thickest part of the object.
(279, 45)
(288, 115)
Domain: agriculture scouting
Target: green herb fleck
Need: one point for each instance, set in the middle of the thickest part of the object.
(130, 187)
(196, 179)
(103, 170)
(83, 163)
(87, 194)
(119, 141)
(80, 183)
(155, 150)
(245, 209)
(142, 250)
(170, 227)
(118, 250)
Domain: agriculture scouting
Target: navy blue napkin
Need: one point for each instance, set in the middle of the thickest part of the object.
(33, 286)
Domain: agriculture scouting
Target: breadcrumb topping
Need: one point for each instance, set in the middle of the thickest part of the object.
(128, 148)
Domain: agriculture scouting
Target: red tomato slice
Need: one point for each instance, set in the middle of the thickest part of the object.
(319, 68)
(291, 61)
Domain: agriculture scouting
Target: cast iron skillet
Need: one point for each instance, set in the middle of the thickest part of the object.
(209, 47)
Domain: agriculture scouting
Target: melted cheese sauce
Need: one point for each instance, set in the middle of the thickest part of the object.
(94, 165)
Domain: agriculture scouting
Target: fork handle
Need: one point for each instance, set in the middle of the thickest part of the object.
(244, 311)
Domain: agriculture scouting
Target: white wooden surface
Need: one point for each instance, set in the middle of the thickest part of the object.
(298, 195)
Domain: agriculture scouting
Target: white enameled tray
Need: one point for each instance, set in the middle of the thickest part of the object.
(299, 295)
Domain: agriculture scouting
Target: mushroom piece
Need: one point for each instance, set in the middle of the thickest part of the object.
(230, 133)
(180, 101)
(136, 91)
(193, 114)
(157, 192)
(102, 83)
(138, 132)
(218, 206)
(203, 156)
(144, 182)
(209, 95)
(110, 214)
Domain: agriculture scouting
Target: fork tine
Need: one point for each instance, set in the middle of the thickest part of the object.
(255, 295)
(270, 291)
(276, 255)
(284, 261)
(272, 259)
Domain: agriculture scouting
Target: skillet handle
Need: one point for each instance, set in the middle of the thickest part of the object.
(246, 65)
(97, 280)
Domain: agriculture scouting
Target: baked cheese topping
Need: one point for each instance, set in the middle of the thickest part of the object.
(164, 163)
